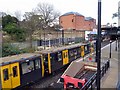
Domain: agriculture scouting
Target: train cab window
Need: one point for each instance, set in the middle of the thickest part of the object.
(27, 67)
(37, 64)
(59, 56)
(5, 74)
(15, 73)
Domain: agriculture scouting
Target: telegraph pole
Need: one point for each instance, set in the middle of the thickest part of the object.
(98, 46)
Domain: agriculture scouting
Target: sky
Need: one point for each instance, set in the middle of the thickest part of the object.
(84, 7)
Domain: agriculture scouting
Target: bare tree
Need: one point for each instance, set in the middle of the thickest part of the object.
(115, 15)
(30, 24)
(18, 15)
(48, 14)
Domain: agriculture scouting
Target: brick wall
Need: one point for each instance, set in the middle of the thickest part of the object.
(76, 22)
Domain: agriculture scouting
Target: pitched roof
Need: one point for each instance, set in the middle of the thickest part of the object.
(89, 18)
(75, 13)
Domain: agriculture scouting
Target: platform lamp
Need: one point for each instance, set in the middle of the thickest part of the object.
(110, 49)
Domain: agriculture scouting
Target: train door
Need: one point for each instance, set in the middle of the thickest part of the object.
(15, 75)
(10, 76)
(82, 51)
(5, 76)
(65, 57)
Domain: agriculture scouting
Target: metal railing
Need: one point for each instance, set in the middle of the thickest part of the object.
(91, 83)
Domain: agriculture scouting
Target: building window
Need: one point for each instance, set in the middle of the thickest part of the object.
(72, 20)
(61, 21)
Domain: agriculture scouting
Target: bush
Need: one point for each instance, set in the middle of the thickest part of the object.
(8, 50)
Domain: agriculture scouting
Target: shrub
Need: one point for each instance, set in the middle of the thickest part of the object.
(8, 49)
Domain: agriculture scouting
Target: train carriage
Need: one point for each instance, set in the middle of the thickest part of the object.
(57, 58)
(18, 70)
(54, 59)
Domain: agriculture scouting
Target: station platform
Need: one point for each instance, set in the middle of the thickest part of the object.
(110, 79)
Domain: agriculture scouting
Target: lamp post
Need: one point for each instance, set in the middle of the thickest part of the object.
(98, 47)
(116, 45)
(62, 37)
(110, 49)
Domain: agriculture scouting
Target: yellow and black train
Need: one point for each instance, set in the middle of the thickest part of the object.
(22, 69)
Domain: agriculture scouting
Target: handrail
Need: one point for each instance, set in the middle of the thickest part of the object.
(93, 78)
(89, 81)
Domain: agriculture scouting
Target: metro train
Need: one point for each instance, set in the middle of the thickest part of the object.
(20, 70)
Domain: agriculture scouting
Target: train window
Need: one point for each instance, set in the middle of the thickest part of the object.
(46, 58)
(66, 55)
(37, 64)
(79, 50)
(59, 56)
(85, 48)
(15, 73)
(5, 74)
(75, 52)
(27, 67)
(71, 53)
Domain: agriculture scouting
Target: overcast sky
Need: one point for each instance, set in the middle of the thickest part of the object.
(84, 7)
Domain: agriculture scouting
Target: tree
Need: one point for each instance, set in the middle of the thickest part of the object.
(8, 19)
(30, 24)
(15, 32)
(115, 15)
(10, 25)
(48, 14)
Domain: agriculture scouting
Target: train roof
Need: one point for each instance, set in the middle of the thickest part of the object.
(57, 49)
(16, 58)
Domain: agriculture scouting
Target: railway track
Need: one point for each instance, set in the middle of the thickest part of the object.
(46, 81)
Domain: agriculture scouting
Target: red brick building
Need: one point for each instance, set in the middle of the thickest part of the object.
(76, 21)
